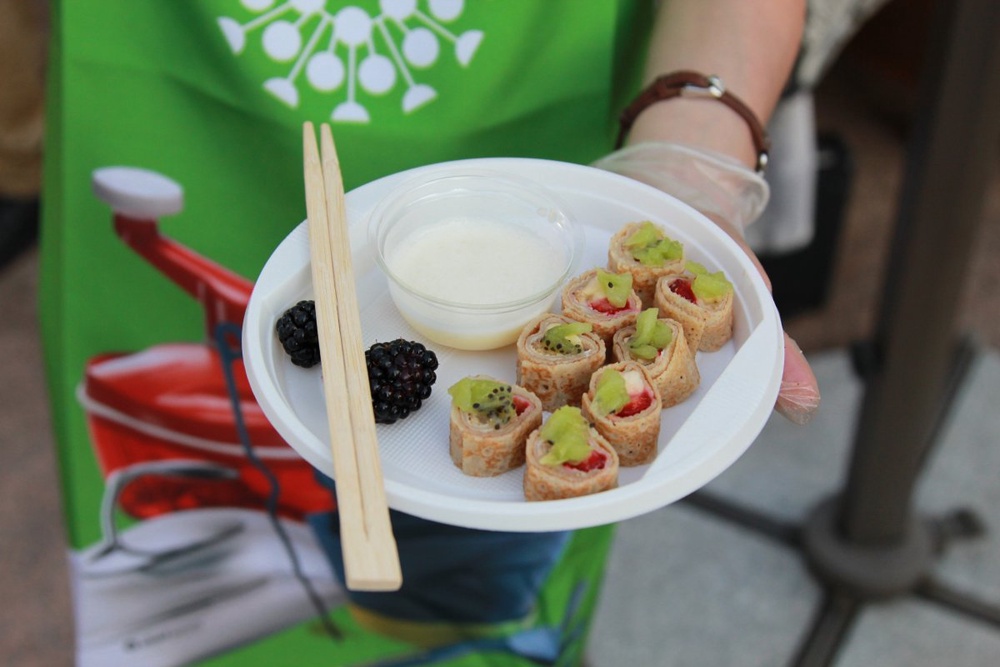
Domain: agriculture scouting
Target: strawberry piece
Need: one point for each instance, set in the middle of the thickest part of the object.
(636, 404)
(520, 404)
(682, 287)
(595, 461)
(606, 307)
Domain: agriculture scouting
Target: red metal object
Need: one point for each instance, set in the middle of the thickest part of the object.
(171, 401)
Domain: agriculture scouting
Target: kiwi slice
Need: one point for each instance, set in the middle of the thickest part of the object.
(565, 338)
(489, 400)
(662, 335)
(615, 286)
(659, 254)
(610, 394)
(651, 335)
(651, 247)
(708, 286)
(647, 234)
(568, 433)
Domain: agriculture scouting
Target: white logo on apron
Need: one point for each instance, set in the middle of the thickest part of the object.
(352, 51)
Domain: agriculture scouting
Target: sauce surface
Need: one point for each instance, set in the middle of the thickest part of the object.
(476, 261)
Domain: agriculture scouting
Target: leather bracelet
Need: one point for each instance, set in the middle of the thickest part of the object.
(686, 83)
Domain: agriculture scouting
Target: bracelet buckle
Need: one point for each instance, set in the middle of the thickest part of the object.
(714, 88)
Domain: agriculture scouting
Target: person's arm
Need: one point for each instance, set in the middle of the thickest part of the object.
(752, 47)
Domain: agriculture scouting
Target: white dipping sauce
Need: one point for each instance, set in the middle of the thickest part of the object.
(476, 261)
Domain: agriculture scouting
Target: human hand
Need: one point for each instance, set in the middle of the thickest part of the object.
(798, 397)
(732, 196)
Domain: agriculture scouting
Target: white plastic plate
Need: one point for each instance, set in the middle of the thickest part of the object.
(699, 438)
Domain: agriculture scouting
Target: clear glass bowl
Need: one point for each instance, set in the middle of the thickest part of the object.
(472, 255)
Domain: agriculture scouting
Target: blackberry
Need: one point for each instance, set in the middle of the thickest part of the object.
(400, 374)
(297, 333)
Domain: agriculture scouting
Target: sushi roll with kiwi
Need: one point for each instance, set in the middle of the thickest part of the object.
(556, 357)
(602, 299)
(702, 301)
(567, 458)
(658, 343)
(490, 422)
(624, 406)
(644, 250)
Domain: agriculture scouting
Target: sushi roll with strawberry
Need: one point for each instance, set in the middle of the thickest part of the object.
(490, 423)
(567, 458)
(702, 301)
(660, 346)
(556, 357)
(644, 250)
(624, 406)
(602, 299)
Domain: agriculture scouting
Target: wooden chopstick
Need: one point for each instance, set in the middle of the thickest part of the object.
(371, 560)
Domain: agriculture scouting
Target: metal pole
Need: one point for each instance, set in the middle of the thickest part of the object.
(868, 540)
(953, 153)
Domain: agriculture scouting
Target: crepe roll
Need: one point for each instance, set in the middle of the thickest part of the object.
(490, 423)
(644, 250)
(624, 406)
(660, 346)
(703, 304)
(556, 357)
(567, 458)
(604, 300)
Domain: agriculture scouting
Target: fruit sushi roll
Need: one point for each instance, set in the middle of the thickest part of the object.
(567, 458)
(490, 422)
(645, 251)
(659, 345)
(702, 302)
(624, 406)
(556, 357)
(603, 299)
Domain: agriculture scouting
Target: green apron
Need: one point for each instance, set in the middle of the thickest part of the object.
(144, 386)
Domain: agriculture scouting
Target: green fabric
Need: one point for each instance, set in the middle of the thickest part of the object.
(156, 85)
(581, 565)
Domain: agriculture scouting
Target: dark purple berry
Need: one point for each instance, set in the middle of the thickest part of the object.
(297, 333)
(400, 374)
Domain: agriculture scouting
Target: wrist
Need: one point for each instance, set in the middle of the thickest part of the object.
(676, 102)
(696, 123)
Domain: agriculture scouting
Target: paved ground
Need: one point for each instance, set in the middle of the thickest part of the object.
(688, 589)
